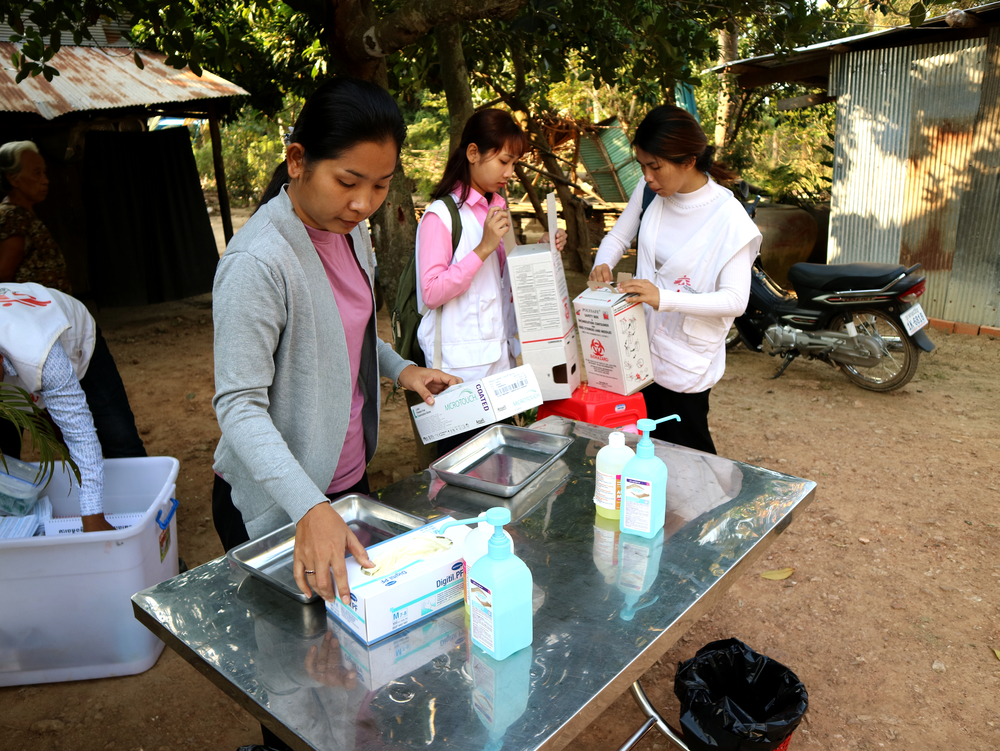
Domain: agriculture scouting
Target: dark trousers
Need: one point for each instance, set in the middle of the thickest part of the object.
(229, 521)
(692, 431)
(108, 404)
(232, 532)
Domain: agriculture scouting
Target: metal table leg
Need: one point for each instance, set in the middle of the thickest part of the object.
(655, 720)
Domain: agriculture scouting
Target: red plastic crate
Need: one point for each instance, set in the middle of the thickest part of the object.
(597, 407)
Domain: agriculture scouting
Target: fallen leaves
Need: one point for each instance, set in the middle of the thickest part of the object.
(997, 653)
(778, 574)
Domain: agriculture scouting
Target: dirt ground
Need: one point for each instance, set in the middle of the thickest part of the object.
(890, 619)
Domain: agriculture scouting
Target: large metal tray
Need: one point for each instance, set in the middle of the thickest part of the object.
(269, 558)
(501, 460)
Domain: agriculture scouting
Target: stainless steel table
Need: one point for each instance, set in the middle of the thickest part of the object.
(607, 608)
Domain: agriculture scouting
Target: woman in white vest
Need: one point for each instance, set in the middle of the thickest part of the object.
(469, 329)
(51, 347)
(696, 249)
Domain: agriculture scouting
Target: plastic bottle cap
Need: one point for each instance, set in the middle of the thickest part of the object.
(616, 439)
(498, 516)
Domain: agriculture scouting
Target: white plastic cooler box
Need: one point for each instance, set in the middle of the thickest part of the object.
(65, 602)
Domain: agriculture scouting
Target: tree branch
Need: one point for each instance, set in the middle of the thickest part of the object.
(417, 17)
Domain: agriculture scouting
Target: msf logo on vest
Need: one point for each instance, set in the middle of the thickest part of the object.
(597, 350)
(8, 298)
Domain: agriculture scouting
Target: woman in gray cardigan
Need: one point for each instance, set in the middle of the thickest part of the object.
(297, 357)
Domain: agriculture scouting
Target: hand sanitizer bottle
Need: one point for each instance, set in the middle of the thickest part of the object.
(644, 486)
(500, 592)
(608, 490)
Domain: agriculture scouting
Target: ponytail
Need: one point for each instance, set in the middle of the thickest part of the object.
(719, 171)
(278, 180)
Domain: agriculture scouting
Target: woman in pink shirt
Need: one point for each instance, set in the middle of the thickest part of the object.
(469, 328)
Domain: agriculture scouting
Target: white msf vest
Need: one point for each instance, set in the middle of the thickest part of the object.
(688, 351)
(32, 319)
(478, 327)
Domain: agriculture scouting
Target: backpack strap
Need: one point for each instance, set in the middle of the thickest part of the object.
(456, 238)
(647, 198)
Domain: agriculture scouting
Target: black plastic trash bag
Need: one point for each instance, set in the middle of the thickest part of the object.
(733, 699)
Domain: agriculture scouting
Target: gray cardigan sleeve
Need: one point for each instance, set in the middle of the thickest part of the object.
(250, 312)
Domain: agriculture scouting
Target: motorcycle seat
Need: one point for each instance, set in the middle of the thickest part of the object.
(843, 276)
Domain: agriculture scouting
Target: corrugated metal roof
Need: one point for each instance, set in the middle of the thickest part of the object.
(607, 155)
(870, 39)
(105, 34)
(94, 78)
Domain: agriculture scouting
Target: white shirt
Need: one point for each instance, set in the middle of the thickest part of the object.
(701, 242)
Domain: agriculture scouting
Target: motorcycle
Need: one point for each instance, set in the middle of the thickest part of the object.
(861, 317)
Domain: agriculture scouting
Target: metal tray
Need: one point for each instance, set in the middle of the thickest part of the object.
(501, 460)
(269, 558)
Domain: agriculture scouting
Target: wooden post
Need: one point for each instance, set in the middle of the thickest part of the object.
(220, 172)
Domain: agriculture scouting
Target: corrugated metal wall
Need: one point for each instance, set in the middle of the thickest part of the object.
(911, 126)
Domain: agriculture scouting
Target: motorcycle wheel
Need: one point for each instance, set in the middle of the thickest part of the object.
(733, 338)
(899, 354)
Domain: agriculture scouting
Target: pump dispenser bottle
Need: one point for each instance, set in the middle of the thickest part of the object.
(644, 486)
(610, 460)
(476, 545)
(500, 591)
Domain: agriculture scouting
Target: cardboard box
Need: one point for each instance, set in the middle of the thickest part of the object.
(467, 406)
(615, 344)
(418, 587)
(541, 298)
(556, 364)
(402, 654)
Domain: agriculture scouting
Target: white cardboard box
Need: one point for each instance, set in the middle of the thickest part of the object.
(541, 298)
(614, 341)
(467, 406)
(556, 364)
(401, 654)
(67, 609)
(421, 585)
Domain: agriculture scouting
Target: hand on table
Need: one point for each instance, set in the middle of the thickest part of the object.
(322, 540)
(323, 664)
(560, 239)
(642, 290)
(426, 381)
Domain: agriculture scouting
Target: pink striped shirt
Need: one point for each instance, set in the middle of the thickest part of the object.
(354, 301)
(440, 279)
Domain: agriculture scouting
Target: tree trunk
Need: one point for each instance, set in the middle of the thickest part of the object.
(394, 233)
(455, 76)
(725, 115)
(394, 225)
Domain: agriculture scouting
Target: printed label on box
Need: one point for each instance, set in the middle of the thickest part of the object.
(615, 343)
(472, 405)
(420, 578)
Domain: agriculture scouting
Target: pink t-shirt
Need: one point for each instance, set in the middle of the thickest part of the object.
(354, 301)
(440, 280)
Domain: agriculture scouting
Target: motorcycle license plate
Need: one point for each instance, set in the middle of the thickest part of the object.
(914, 319)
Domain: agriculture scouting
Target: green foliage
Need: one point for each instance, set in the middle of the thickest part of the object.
(252, 147)
(17, 406)
(425, 151)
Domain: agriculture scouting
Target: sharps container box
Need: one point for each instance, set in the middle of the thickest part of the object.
(613, 336)
(66, 611)
(544, 316)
